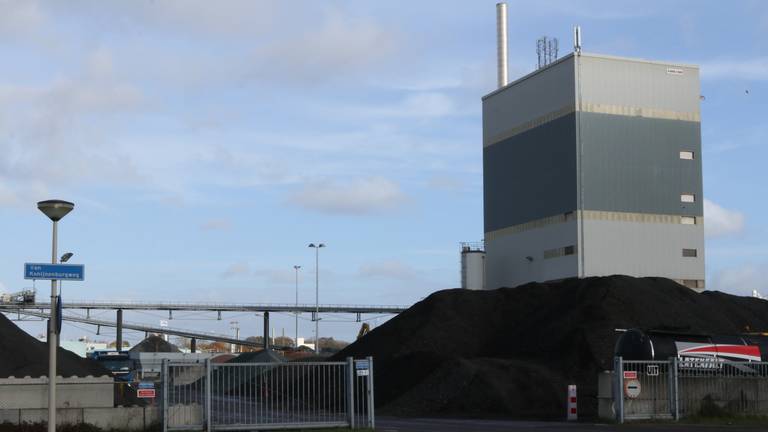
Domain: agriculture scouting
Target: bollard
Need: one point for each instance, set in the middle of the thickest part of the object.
(572, 410)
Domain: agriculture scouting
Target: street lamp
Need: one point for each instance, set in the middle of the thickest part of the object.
(55, 210)
(296, 312)
(64, 258)
(317, 294)
(234, 325)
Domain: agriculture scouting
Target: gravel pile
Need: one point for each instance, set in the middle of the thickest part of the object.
(511, 352)
(155, 343)
(22, 355)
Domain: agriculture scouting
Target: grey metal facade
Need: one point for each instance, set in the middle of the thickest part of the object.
(583, 174)
(632, 164)
(525, 179)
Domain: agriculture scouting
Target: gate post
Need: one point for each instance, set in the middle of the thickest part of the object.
(351, 391)
(208, 421)
(371, 413)
(165, 395)
(675, 389)
(618, 393)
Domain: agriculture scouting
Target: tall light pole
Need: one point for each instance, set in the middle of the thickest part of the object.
(55, 210)
(234, 325)
(317, 294)
(296, 312)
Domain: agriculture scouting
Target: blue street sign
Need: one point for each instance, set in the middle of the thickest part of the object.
(146, 385)
(361, 364)
(75, 272)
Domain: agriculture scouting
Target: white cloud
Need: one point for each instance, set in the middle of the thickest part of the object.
(741, 280)
(389, 269)
(719, 221)
(359, 196)
(20, 17)
(416, 105)
(277, 276)
(755, 69)
(236, 270)
(331, 45)
(57, 132)
(216, 225)
(446, 183)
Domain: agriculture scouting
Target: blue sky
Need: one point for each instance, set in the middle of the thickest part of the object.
(205, 144)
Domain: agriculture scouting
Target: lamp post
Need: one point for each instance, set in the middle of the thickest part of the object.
(296, 312)
(317, 294)
(234, 325)
(55, 210)
(64, 258)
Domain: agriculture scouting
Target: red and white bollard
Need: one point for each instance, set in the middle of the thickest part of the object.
(572, 411)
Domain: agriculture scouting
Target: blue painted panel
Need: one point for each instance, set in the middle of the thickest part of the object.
(72, 272)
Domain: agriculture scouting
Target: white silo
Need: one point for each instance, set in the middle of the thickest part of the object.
(473, 266)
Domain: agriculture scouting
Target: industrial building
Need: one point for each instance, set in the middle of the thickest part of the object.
(592, 167)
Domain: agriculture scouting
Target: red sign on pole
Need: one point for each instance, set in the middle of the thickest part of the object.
(145, 393)
(628, 375)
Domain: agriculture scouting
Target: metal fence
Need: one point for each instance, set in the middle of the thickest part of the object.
(264, 396)
(683, 388)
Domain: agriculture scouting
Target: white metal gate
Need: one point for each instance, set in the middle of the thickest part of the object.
(184, 395)
(264, 396)
(683, 387)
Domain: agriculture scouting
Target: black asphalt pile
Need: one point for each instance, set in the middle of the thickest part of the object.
(511, 352)
(155, 343)
(22, 355)
(262, 356)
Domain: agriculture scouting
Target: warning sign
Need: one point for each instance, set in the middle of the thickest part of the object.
(630, 375)
(632, 388)
(145, 393)
(362, 367)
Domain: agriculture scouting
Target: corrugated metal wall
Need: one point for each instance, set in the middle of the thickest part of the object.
(527, 100)
(632, 164)
(531, 175)
(631, 120)
(612, 81)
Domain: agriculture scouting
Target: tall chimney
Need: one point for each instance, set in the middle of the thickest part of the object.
(501, 39)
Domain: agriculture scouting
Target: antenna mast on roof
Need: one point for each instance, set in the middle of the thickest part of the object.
(546, 50)
(577, 39)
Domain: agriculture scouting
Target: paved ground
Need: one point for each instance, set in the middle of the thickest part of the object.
(391, 424)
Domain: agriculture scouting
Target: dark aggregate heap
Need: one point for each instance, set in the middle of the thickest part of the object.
(22, 355)
(511, 352)
(262, 356)
(155, 343)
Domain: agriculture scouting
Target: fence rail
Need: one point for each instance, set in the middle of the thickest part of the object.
(688, 387)
(267, 396)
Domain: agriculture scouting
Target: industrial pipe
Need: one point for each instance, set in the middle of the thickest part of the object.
(501, 45)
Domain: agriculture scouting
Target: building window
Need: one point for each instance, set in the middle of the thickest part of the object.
(688, 220)
(687, 155)
(561, 251)
(687, 198)
(690, 253)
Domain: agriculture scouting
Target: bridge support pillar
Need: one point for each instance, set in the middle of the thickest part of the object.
(193, 345)
(119, 339)
(266, 331)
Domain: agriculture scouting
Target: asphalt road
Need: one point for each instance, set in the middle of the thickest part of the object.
(391, 424)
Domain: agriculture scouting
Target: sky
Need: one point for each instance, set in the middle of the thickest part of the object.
(205, 144)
